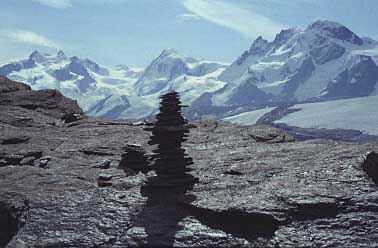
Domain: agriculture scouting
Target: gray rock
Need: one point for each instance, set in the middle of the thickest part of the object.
(14, 140)
(7, 85)
(43, 161)
(105, 177)
(370, 166)
(304, 193)
(47, 102)
(103, 184)
(27, 161)
(105, 164)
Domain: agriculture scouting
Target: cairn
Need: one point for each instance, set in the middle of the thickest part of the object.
(134, 160)
(168, 133)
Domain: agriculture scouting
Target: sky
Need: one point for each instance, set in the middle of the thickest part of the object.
(134, 32)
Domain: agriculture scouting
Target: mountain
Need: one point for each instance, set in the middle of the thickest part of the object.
(169, 66)
(322, 62)
(118, 92)
(325, 61)
(80, 79)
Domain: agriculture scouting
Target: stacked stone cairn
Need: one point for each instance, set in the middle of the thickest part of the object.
(168, 133)
(134, 159)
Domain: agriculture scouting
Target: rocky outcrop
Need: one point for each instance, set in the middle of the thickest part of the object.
(311, 193)
(49, 103)
(7, 85)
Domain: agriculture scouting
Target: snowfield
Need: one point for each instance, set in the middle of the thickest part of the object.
(248, 118)
(356, 113)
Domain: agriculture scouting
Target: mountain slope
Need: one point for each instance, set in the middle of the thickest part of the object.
(80, 79)
(325, 61)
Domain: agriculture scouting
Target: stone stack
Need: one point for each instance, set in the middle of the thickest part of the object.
(134, 159)
(168, 133)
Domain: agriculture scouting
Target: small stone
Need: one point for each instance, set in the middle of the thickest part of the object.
(43, 162)
(191, 126)
(105, 177)
(36, 154)
(103, 184)
(233, 173)
(13, 158)
(46, 158)
(138, 123)
(27, 161)
(15, 140)
(71, 117)
(103, 165)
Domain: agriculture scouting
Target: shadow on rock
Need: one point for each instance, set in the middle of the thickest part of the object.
(158, 222)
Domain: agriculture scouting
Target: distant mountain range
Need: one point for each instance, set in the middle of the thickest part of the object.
(326, 61)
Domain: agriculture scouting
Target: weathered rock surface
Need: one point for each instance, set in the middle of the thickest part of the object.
(7, 85)
(311, 193)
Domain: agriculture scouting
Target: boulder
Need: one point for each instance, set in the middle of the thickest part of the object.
(370, 166)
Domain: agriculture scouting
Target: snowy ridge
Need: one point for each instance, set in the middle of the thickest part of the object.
(118, 92)
(300, 65)
(325, 61)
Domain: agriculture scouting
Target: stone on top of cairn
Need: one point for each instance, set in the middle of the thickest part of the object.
(168, 133)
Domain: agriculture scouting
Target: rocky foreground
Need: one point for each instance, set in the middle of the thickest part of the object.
(61, 184)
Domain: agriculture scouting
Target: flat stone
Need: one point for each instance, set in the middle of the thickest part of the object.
(27, 161)
(103, 184)
(105, 177)
(105, 164)
(14, 140)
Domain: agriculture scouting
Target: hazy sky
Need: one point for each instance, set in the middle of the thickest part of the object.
(133, 32)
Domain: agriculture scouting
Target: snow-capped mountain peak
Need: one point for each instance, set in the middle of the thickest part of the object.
(300, 65)
(168, 66)
(335, 30)
(113, 91)
(324, 61)
(60, 54)
(36, 56)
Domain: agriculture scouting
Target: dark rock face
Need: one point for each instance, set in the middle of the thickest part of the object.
(63, 74)
(337, 31)
(293, 194)
(247, 94)
(358, 81)
(300, 76)
(13, 215)
(326, 53)
(114, 112)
